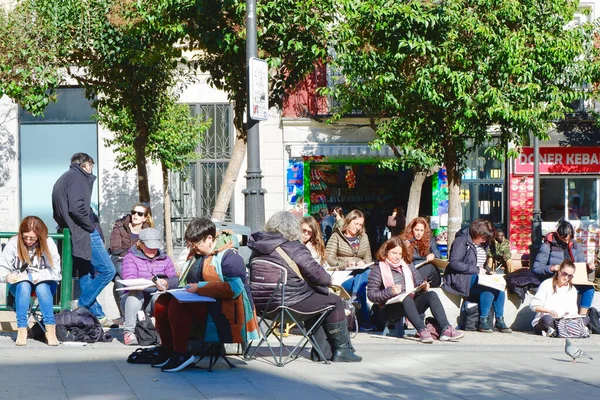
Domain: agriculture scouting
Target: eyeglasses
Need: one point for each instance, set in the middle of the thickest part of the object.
(139, 213)
(29, 238)
(307, 232)
(565, 275)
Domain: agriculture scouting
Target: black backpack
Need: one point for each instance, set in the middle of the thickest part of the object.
(145, 331)
(594, 320)
(469, 316)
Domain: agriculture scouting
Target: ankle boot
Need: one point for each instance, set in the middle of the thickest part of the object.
(339, 337)
(51, 335)
(501, 326)
(484, 325)
(320, 337)
(21, 337)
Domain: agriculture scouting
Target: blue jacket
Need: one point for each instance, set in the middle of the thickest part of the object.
(462, 265)
(552, 252)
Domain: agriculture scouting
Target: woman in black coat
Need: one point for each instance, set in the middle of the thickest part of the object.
(467, 259)
(306, 293)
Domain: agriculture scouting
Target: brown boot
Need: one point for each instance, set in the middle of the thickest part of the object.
(51, 335)
(21, 337)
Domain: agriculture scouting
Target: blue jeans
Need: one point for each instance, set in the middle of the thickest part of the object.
(587, 295)
(357, 286)
(45, 294)
(104, 271)
(487, 297)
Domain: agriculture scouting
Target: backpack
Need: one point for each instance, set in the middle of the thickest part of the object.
(469, 316)
(145, 331)
(594, 320)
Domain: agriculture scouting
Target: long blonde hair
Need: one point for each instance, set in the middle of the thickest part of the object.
(36, 225)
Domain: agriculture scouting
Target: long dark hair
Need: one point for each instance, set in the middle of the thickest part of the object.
(316, 238)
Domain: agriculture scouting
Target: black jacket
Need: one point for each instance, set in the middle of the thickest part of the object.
(376, 290)
(433, 249)
(263, 245)
(71, 200)
(462, 265)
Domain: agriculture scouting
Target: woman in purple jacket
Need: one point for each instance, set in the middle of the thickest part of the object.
(145, 260)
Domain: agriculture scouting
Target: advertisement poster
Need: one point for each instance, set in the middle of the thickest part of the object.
(439, 203)
(521, 213)
(295, 182)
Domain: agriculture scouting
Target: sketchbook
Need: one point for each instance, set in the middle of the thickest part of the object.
(492, 281)
(183, 296)
(400, 297)
(352, 269)
(135, 284)
(442, 264)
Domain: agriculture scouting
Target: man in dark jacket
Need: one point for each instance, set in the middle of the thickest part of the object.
(71, 206)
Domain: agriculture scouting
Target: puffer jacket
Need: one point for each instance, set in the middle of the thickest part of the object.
(137, 265)
(376, 290)
(462, 265)
(552, 252)
(339, 251)
(120, 237)
(263, 245)
(433, 249)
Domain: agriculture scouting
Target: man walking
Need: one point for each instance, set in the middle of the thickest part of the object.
(71, 206)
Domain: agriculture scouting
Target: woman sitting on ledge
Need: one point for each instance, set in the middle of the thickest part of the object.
(394, 276)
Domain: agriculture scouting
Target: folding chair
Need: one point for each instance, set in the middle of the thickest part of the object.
(281, 315)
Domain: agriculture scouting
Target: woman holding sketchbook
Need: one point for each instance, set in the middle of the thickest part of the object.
(30, 262)
(421, 244)
(145, 260)
(555, 298)
(396, 285)
(461, 276)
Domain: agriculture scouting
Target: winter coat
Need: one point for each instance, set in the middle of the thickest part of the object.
(137, 265)
(71, 200)
(39, 269)
(521, 281)
(120, 237)
(462, 265)
(433, 249)
(376, 290)
(263, 245)
(552, 252)
(80, 325)
(232, 318)
(339, 251)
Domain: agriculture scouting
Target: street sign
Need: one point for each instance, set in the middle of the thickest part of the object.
(259, 89)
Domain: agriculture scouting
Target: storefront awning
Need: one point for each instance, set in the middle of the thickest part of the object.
(358, 150)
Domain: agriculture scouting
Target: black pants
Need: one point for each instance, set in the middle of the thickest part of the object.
(547, 321)
(430, 273)
(413, 308)
(317, 301)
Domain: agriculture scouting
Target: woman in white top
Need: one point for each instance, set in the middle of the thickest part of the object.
(555, 298)
(29, 262)
(312, 238)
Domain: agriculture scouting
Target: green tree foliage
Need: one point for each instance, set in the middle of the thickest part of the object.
(29, 68)
(440, 74)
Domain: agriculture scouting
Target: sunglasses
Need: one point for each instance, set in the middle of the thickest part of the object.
(565, 275)
(307, 232)
(139, 213)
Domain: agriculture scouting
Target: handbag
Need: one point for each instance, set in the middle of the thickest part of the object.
(145, 331)
(572, 328)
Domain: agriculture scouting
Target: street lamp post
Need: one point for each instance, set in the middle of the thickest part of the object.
(536, 221)
(254, 193)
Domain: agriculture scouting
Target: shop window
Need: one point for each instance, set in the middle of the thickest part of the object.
(571, 198)
(194, 191)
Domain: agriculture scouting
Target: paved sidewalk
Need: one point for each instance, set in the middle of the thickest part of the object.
(517, 366)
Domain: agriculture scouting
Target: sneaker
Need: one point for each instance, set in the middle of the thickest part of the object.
(451, 335)
(366, 328)
(162, 357)
(425, 336)
(106, 322)
(550, 332)
(179, 361)
(129, 339)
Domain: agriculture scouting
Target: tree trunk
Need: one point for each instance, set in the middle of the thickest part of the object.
(454, 208)
(139, 144)
(167, 211)
(414, 196)
(231, 174)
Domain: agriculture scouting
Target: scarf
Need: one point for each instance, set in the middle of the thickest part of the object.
(403, 268)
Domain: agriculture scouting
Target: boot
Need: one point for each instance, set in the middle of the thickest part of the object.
(484, 325)
(51, 335)
(501, 326)
(21, 337)
(321, 339)
(339, 337)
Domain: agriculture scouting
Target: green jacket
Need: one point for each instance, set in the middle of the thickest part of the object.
(500, 251)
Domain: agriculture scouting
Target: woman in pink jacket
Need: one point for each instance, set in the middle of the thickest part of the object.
(145, 260)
